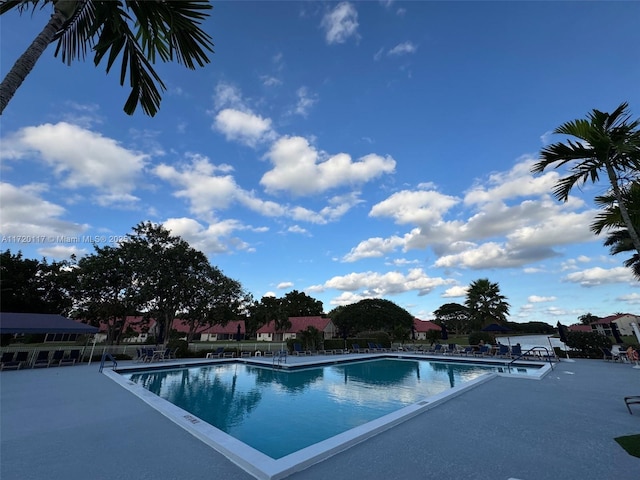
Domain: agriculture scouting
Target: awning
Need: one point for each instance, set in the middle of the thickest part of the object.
(41, 323)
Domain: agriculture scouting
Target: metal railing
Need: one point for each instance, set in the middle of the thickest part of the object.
(535, 352)
(106, 355)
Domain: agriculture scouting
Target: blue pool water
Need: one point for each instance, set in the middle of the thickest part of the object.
(279, 412)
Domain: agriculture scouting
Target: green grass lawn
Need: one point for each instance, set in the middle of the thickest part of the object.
(631, 444)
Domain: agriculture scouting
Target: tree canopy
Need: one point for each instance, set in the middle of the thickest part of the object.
(33, 286)
(139, 32)
(606, 143)
(374, 314)
(454, 316)
(486, 304)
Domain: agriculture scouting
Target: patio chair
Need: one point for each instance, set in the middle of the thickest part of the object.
(516, 351)
(42, 360)
(632, 400)
(9, 362)
(56, 358)
(466, 351)
(483, 351)
(504, 352)
(607, 355)
(451, 349)
(72, 359)
(297, 350)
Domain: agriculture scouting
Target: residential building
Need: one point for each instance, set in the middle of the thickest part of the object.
(268, 333)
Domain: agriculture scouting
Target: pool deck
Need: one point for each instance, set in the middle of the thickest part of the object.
(75, 423)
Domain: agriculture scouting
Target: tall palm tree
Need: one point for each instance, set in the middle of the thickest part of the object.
(169, 30)
(605, 142)
(485, 303)
(610, 219)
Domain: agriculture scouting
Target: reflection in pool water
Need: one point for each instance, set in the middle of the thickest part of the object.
(279, 412)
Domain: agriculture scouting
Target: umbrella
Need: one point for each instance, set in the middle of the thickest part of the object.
(494, 327)
(616, 332)
(413, 332)
(444, 334)
(238, 334)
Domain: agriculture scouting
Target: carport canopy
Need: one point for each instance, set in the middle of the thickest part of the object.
(42, 323)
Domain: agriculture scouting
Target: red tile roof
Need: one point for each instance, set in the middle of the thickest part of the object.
(425, 325)
(298, 324)
(579, 328)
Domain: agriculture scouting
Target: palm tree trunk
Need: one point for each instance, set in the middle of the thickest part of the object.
(28, 59)
(624, 213)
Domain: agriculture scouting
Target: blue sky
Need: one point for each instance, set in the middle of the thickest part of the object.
(348, 150)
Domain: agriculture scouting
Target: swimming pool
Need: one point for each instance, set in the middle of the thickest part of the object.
(272, 422)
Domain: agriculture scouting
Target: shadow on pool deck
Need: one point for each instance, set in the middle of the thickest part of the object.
(75, 423)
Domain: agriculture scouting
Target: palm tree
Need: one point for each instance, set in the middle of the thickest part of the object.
(610, 219)
(166, 29)
(609, 142)
(485, 303)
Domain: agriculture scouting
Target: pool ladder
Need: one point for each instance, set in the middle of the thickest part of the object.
(279, 357)
(106, 355)
(533, 351)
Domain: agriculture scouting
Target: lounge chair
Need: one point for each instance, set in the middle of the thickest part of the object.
(8, 361)
(467, 351)
(56, 358)
(483, 351)
(632, 400)
(504, 352)
(451, 349)
(436, 349)
(42, 360)
(245, 354)
(297, 350)
(141, 354)
(516, 351)
(72, 359)
(373, 348)
(607, 355)
(355, 348)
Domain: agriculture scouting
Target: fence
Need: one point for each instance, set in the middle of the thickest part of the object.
(92, 351)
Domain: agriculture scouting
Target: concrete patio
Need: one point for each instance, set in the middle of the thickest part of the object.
(75, 423)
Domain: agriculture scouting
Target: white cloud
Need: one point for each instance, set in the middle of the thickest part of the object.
(538, 299)
(596, 276)
(301, 170)
(414, 207)
(456, 292)
(27, 215)
(341, 23)
(80, 158)
(284, 285)
(247, 128)
(210, 188)
(215, 238)
(305, 101)
(373, 248)
(404, 48)
(631, 299)
(378, 285)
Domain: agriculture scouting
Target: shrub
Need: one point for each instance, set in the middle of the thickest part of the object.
(181, 345)
(589, 343)
(475, 337)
